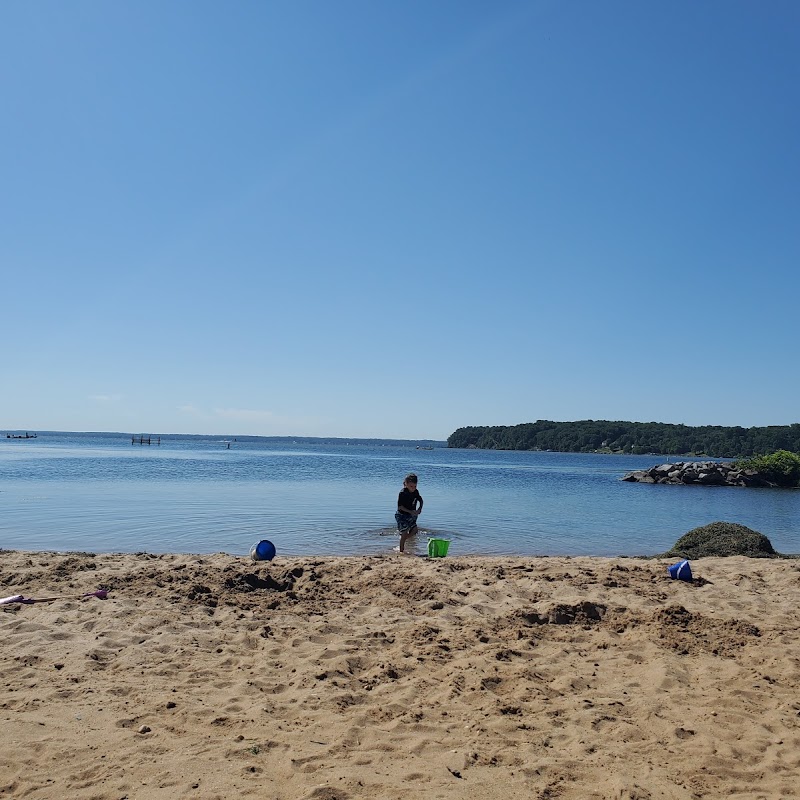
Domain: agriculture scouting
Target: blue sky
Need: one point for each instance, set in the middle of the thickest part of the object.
(392, 219)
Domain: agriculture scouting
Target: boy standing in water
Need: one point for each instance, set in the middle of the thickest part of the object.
(409, 507)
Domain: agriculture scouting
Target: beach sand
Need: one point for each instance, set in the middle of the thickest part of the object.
(391, 677)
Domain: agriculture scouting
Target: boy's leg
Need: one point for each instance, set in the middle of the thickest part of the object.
(405, 535)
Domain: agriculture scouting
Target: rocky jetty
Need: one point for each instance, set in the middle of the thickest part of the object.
(705, 473)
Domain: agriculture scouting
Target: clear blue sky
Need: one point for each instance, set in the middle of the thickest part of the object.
(392, 219)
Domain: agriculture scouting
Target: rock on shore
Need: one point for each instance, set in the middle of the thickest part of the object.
(706, 473)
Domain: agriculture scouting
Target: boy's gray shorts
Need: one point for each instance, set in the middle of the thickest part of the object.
(405, 521)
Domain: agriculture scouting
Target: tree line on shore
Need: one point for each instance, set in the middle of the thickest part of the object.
(601, 436)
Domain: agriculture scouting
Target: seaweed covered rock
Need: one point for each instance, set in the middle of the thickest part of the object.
(722, 539)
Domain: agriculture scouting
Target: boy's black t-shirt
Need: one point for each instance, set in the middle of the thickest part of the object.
(408, 499)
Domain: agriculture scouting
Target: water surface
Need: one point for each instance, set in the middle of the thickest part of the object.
(99, 493)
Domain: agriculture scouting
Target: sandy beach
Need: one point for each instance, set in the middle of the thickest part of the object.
(389, 677)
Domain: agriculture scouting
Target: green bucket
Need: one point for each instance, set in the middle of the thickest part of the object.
(437, 548)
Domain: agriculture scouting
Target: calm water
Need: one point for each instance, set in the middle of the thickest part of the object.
(100, 493)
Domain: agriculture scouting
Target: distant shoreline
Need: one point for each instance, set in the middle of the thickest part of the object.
(213, 437)
(631, 438)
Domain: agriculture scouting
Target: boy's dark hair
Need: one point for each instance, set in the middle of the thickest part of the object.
(411, 478)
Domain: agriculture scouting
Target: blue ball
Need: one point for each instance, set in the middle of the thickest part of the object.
(262, 551)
